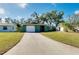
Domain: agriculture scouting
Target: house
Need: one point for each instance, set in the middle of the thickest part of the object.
(7, 27)
(76, 29)
(60, 27)
(35, 28)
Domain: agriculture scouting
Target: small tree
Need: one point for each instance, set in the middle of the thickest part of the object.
(73, 22)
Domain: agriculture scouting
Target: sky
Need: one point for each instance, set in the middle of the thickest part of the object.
(18, 10)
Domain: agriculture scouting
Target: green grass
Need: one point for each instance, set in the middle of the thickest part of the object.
(8, 40)
(64, 37)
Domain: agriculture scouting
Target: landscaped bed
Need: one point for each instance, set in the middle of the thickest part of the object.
(8, 40)
(65, 37)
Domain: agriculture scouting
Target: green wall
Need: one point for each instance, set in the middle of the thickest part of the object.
(46, 28)
(23, 28)
(37, 28)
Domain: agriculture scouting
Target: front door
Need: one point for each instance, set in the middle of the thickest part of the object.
(42, 28)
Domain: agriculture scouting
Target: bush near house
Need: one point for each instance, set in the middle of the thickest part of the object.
(64, 37)
(8, 40)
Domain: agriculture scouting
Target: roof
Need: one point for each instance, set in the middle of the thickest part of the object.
(35, 24)
(8, 24)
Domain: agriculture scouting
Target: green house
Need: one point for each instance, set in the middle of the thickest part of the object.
(35, 28)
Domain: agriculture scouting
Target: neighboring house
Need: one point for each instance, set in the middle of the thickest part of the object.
(60, 27)
(7, 27)
(35, 28)
(76, 29)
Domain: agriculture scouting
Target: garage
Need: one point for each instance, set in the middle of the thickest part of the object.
(30, 29)
(35, 28)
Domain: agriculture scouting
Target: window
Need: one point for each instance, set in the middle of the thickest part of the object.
(4, 27)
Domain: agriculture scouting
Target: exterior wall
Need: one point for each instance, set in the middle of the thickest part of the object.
(60, 28)
(37, 28)
(46, 28)
(9, 28)
(23, 28)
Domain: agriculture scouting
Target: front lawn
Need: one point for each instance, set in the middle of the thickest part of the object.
(65, 37)
(8, 40)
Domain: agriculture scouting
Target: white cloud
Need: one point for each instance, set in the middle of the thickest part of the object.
(18, 17)
(22, 5)
(77, 12)
(2, 11)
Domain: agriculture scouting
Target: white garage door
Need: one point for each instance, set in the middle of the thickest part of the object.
(30, 29)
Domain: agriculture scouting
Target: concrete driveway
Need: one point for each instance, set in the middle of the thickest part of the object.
(37, 44)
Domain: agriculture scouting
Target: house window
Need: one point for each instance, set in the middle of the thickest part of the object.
(4, 27)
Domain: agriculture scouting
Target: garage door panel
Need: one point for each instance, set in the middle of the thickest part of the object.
(30, 28)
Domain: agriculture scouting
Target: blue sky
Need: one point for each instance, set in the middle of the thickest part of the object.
(19, 10)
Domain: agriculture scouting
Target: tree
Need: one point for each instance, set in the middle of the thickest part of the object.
(52, 17)
(30, 20)
(36, 17)
(57, 16)
(43, 19)
(8, 20)
(0, 20)
(73, 22)
(22, 21)
(13, 21)
(17, 22)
